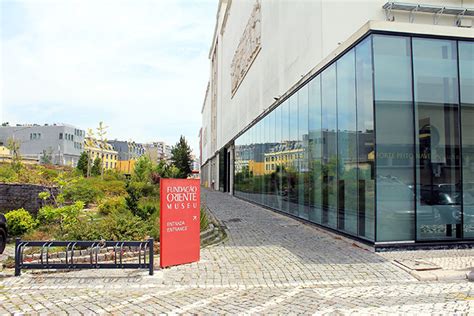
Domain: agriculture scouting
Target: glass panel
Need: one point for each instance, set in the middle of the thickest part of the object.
(365, 139)
(329, 125)
(253, 153)
(259, 162)
(264, 124)
(347, 144)
(315, 149)
(302, 153)
(394, 140)
(466, 76)
(438, 175)
(277, 152)
(248, 158)
(238, 166)
(222, 154)
(293, 153)
(272, 177)
(285, 143)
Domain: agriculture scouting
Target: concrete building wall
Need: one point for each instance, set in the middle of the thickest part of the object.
(294, 37)
(64, 142)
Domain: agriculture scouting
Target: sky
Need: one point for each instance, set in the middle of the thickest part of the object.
(139, 66)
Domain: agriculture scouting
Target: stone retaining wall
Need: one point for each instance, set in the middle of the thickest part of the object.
(16, 195)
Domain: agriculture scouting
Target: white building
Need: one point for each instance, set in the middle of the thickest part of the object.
(158, 151)
(62, 143)
(319, 75)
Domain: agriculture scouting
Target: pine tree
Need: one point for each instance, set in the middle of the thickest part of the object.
(96, 167)
(82, 163)
(181, 157)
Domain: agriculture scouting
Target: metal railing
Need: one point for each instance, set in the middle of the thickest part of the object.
(93, 249)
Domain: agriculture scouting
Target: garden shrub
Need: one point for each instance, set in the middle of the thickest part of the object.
(110, 204)
(108, 187)
(64, 216)
(44, 233)
(20, 222)
(204, 220)
(7, 174)
(110, 175)
(123, 226)
(147, 207)
(81, 191)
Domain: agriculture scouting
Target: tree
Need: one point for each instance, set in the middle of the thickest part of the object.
(101, 132)
(47, 156)
(83, 163)
(95, 170)
(142, 168)
(181, 157)
(14, 147)
(89, 144)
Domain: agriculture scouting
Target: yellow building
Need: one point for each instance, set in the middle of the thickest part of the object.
(105, 152)
(256, 168)
(286, 157)
(126, 166)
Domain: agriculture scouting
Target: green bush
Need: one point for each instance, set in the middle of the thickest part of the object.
(147, 207)
(111, 174)
(142, 169)
(204, 220)
(19, 222)
(108, 205)
(83, 191)
(108, 186)
(118, 225)
(7, 174)
(65, 217)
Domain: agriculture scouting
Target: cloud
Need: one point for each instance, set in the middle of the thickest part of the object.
(140, 66)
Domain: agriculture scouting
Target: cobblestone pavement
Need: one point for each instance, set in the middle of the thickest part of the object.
(269, 264)
(450, 259)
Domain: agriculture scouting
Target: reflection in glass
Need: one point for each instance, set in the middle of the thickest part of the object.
(466, 77)
(437, 139)
(277, 153)
(347, 144)
(293, 156)
(271, 162)
(365, 139)
(259, 163)
(315, 149)
(265, 199)
(329, 126)
(325, 155)
(285, 145)
(394, 140)
(238, 174)
(302, 153)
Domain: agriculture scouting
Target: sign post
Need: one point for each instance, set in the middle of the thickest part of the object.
(179, 221)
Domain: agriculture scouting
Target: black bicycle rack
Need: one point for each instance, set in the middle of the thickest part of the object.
(93, 248)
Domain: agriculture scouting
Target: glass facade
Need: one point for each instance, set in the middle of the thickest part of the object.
(379, 145)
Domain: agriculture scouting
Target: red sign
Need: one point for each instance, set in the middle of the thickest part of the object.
(179, 221)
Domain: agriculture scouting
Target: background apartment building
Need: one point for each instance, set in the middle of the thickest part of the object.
(354, 115)
(106, 153)
(157, 151)
(64, 143)
(128, 153)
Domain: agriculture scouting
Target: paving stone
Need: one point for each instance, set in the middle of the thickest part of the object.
(270, 264)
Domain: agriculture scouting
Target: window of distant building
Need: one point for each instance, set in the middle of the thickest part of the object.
(60, 135)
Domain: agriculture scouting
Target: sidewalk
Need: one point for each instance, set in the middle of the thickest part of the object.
(269, 264)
